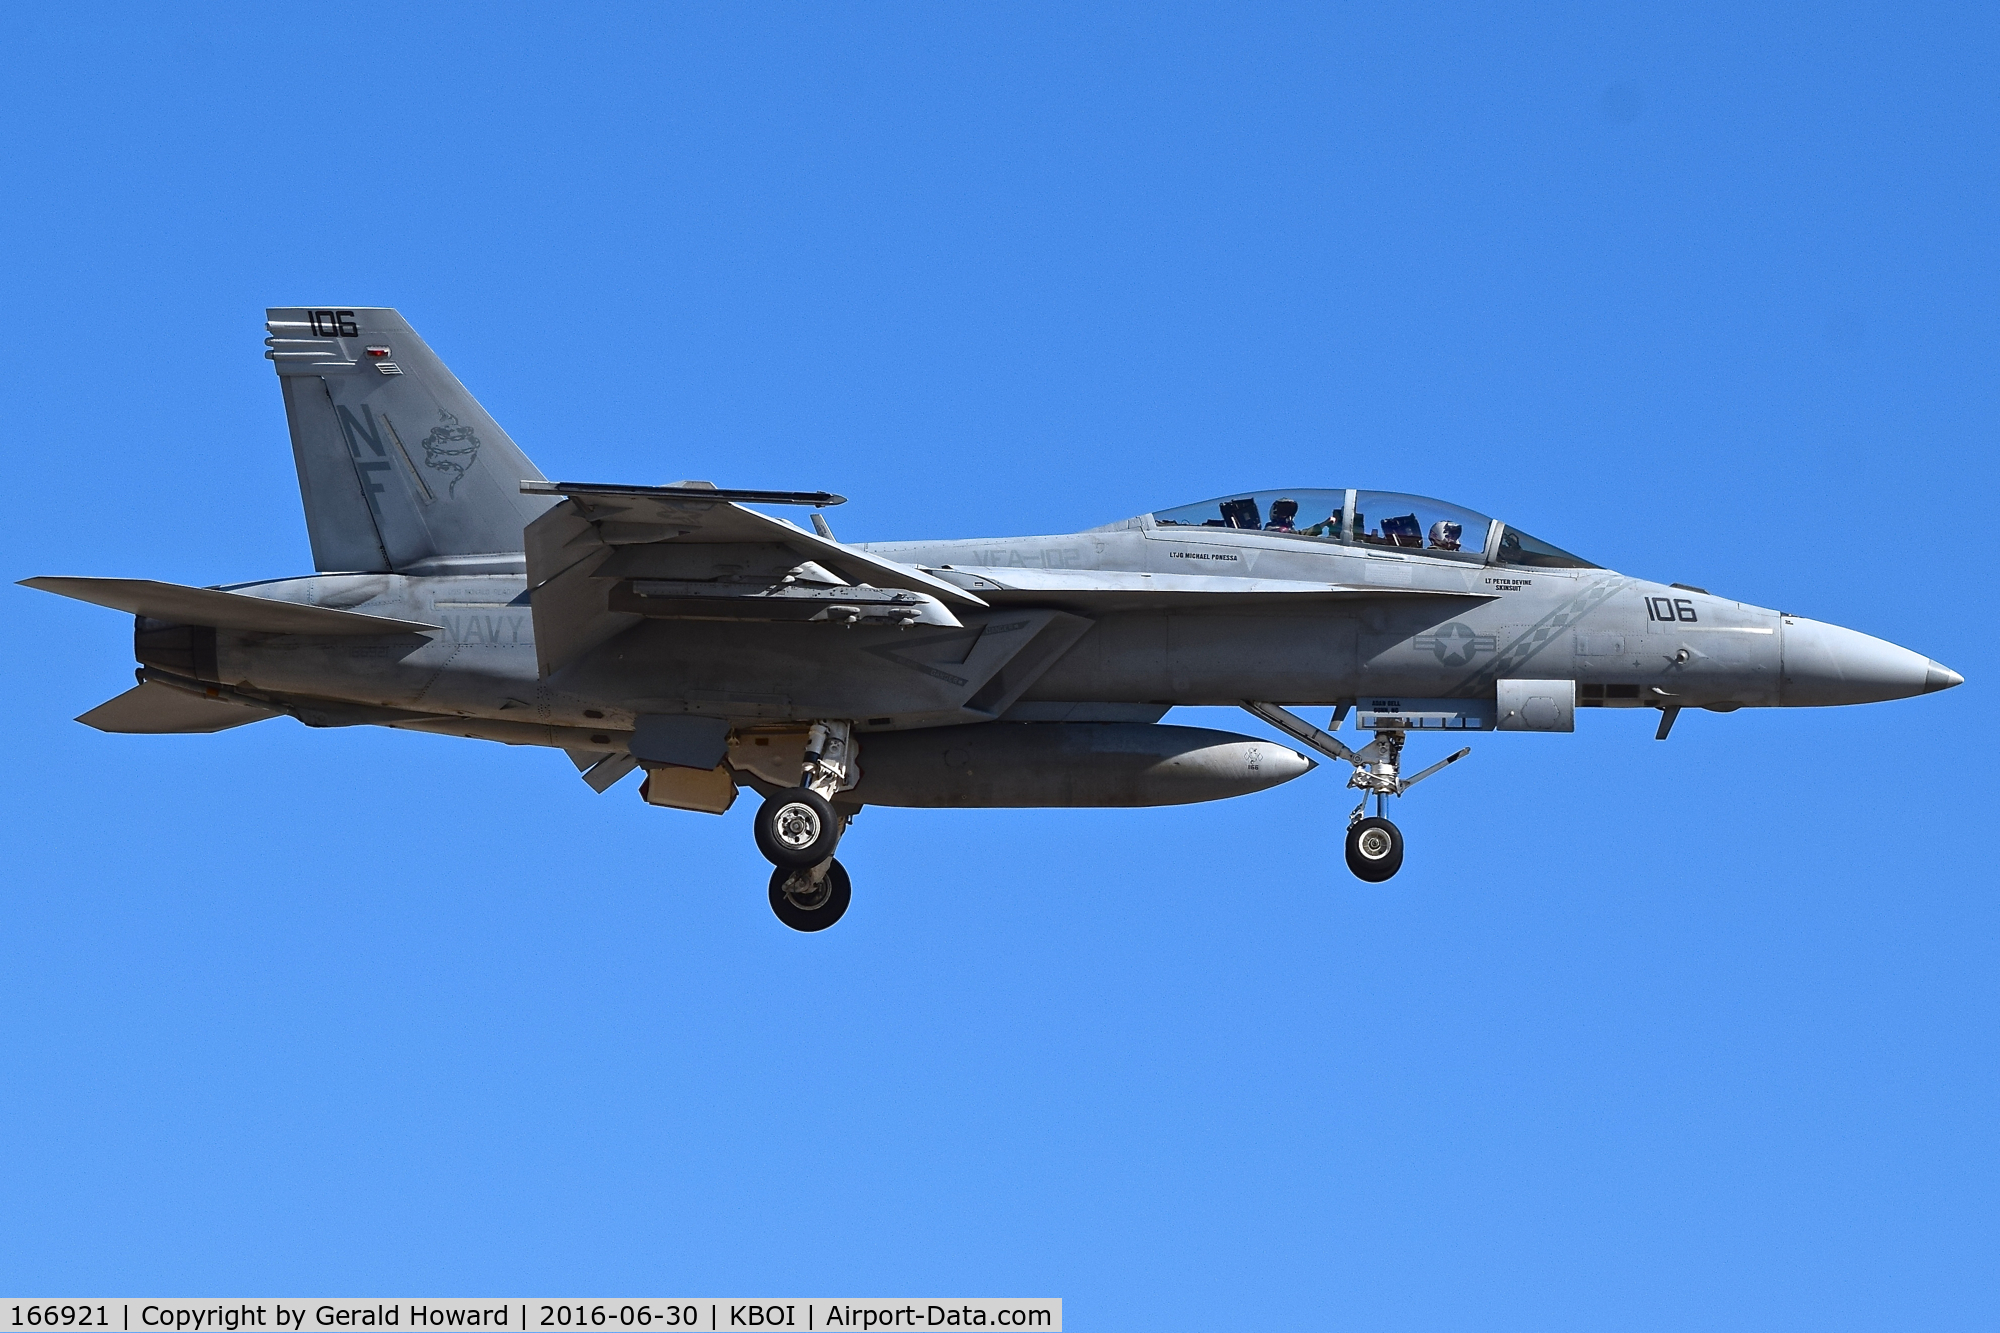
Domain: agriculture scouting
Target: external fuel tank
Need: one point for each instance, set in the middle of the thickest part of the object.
(1067, 764)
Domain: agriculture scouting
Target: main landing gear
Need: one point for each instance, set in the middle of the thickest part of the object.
(1374, 845)
(811, 899)
(798, 829)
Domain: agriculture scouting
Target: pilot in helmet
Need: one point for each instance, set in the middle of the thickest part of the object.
(1445, 535)
(1283, 512)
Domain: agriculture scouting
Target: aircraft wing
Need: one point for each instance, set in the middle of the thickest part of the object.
(613, 555)
(161, 710)
(180, 605)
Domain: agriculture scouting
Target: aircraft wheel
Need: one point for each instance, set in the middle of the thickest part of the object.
(797, 829)
(1374, 849)
(803, 905)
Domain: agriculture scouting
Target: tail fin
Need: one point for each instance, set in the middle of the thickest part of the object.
(398, 464)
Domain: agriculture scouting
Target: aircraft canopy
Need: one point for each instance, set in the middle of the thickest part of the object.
(1374, 518)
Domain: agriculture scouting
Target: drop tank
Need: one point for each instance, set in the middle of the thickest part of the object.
(1067, 764)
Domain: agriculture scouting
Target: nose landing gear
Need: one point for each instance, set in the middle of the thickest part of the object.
(797, 831)
(1374, 845)
(1374, 849)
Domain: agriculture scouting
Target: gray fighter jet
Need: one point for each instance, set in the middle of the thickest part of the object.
(680, 631)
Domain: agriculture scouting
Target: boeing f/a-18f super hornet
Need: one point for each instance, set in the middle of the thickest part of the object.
(679, 631)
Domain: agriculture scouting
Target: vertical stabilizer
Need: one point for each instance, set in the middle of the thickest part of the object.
(398, 464)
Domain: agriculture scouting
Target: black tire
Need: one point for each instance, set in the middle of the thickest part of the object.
(1374, 849)
(808, 908)
(797, 829)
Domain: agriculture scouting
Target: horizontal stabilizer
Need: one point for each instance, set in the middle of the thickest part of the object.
(162, 710)
(180, 605)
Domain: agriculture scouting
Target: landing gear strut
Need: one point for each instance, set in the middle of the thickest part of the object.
(1374, 845)
(798, 829)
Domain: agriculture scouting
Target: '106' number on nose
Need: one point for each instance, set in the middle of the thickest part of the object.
(1670, 609)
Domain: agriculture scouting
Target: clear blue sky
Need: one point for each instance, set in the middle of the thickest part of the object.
(1645, 1036)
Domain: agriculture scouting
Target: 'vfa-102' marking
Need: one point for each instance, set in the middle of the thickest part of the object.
(1671, 609)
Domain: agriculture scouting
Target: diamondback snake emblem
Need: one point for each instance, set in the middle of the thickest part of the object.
(451, 448)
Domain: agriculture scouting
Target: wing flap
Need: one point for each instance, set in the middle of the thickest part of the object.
(180, 605)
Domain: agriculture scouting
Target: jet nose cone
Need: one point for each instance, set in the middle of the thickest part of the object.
(1828, 664)
(1941, 677)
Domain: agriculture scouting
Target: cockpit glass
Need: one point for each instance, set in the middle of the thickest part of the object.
(1413, 522)
(1313, 513)
(1389, 519)
(1518, 548)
